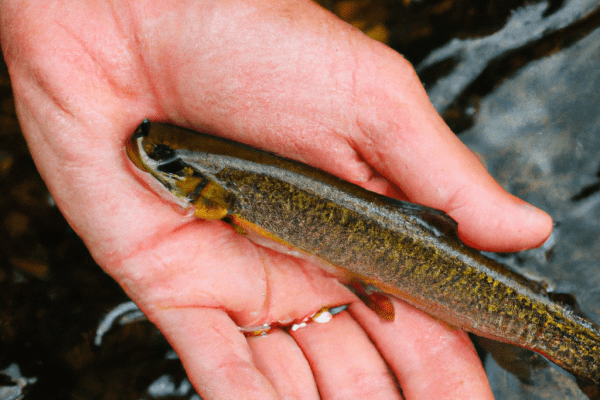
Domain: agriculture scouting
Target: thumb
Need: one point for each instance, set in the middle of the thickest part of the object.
(407, 141)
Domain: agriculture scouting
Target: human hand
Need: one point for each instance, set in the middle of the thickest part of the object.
(285, 76)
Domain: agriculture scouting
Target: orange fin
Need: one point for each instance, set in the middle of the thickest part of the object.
(382, 305)
(375, 300)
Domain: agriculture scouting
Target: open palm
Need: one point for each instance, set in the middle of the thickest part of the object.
(285, 76)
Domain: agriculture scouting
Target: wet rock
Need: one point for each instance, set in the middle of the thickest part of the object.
(539, 136)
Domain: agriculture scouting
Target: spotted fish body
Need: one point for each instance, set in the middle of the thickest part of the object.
(406, 250)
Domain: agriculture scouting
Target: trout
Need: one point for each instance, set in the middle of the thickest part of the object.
(402, 249)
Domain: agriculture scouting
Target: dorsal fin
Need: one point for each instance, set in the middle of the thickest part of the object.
(435, 218)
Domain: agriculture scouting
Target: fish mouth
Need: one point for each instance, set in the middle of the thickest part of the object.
(133, 146)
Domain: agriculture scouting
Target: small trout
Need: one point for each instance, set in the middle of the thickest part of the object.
(402, 249)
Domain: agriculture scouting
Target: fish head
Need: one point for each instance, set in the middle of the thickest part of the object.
(187, 184)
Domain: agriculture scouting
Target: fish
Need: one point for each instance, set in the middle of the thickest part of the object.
(394, 247)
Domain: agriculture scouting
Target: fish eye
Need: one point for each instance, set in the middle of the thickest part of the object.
(159, 152)
(173, 167)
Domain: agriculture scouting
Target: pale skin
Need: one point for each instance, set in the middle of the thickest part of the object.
(285, 76)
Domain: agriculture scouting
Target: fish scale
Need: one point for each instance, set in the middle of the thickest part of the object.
(402, 249)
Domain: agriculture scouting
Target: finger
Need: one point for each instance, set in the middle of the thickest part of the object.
(345, 363)
(408, 142)
(430, 359)
(214, 353)
(282, 362)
